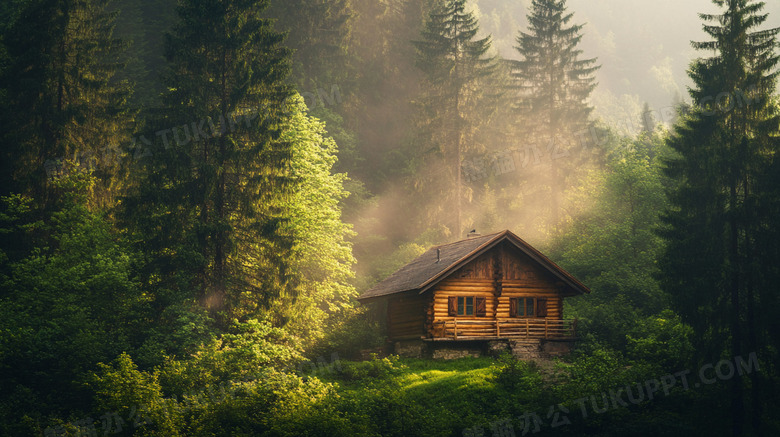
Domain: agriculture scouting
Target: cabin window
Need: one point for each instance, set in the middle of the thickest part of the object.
(528, 307)
(467, 306)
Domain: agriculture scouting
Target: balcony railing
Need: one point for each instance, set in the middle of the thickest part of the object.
(531, 328)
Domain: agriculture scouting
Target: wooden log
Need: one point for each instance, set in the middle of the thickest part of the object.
(452, 284)
(409, 325)
(406, 325)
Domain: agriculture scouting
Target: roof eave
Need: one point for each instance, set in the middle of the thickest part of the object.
(369, 299)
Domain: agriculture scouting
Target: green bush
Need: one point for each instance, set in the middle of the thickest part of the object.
(517, 375)
(377, 368)
(348, 332)
(663, 339)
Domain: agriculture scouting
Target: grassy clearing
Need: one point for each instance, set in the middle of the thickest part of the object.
(412, 397)
(426, 397)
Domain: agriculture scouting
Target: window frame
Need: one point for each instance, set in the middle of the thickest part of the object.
(463, 306)
(534, 307)
(458, 306)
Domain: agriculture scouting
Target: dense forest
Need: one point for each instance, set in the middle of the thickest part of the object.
(193, 194)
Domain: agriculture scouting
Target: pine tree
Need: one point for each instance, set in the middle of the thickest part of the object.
(319, 32)
(65, 101)
(211, 207)
(379, 108)
(554, 82)
(723, 147)
(133, 27)
(455, 63)
(648, 121)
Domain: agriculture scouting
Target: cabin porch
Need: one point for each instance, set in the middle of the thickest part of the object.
(511, 329)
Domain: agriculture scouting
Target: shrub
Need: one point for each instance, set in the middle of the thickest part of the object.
(377, 368)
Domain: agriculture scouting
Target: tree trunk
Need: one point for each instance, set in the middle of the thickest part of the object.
(752, 338)
(737, 406)
(457, 130)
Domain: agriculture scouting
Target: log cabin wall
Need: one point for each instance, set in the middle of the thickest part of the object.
(498, 275)
(406, 315)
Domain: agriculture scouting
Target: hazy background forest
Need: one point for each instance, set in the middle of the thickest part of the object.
(193, 194)
(644, 49)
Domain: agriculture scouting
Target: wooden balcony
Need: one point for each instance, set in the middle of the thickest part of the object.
(531, 328)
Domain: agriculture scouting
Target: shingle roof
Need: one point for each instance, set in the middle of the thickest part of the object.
(424, 271)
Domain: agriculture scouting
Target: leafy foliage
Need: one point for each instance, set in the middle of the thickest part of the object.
(183, 291)
(66, 304)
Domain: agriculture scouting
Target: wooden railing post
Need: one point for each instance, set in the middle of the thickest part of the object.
(547, 328)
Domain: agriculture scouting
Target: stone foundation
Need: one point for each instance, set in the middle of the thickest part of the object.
(455, 351)
(522, 349)
(496, 347)
(557, 348)
(411, 348)
(526, 349)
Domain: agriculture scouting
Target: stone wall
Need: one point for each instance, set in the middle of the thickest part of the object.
(525, 349)
(455, 351)
(411, 349)
(557, 348)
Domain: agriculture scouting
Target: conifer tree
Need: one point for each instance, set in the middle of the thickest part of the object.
(318, 32)
(64, 100)
(723, 147)
(554, 82)
(211, 207)
(647, 120)
(455, 62)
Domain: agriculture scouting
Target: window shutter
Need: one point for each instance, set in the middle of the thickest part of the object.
(541, 307)
(513, 307)
(453, 306)
(480, 306)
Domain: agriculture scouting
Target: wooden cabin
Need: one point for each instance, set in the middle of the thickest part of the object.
(484, 292)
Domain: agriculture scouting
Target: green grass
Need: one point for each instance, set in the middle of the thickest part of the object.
(432, 397)
(442, 382)
(416, 397)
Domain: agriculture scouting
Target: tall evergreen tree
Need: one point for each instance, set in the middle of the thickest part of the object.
(211, 207)
(455, 63)
(554, 83)
(381, 108)
(319, 32)
(143, 25)
(647, 120)
(63, 99)
(723, 147)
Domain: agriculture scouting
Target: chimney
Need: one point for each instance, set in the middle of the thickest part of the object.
(473, 234)
(438, 255)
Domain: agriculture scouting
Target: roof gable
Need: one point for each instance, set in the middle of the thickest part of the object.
(439, 262)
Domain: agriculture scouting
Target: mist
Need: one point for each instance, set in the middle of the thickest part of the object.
(643, 47)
